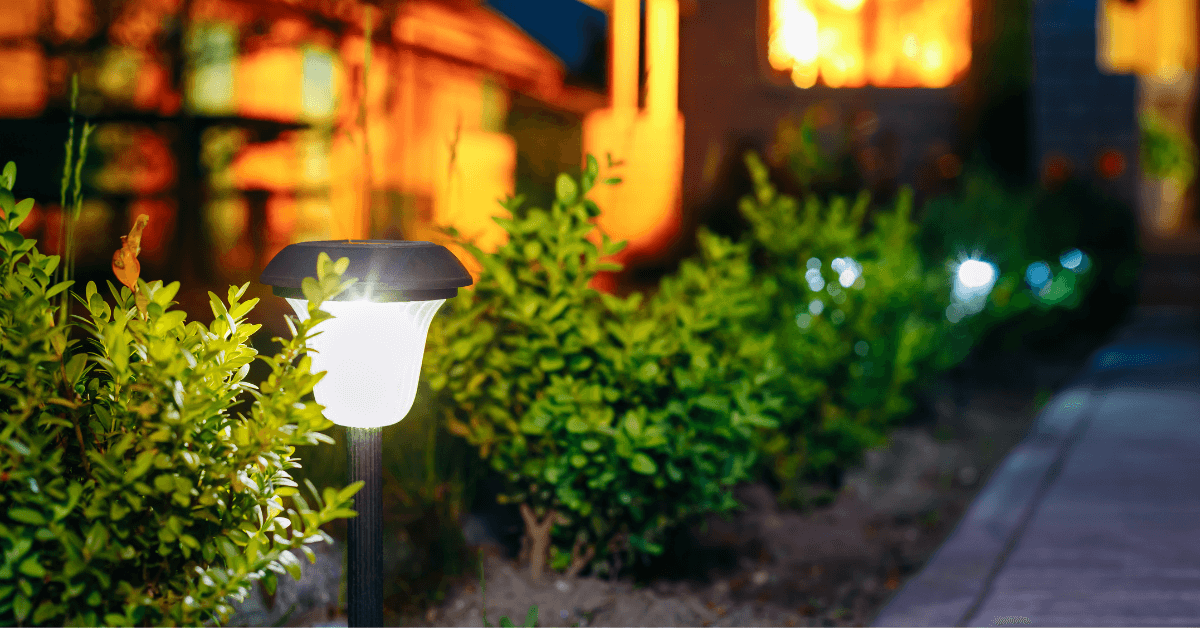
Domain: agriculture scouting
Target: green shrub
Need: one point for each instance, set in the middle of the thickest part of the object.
(609, 420)
(131, 494)
(856, 318)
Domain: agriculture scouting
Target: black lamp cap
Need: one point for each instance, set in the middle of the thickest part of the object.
(387, 270)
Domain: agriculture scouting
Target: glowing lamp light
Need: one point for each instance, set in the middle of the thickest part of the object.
(371, 378)
(1037, 275)
(371, 351)
(1074, 260)
(848, 270)
(973, 282)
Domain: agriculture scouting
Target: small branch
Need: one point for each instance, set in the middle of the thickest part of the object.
(538, 533)
(579, 558)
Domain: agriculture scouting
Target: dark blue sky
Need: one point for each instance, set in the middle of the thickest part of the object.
(568, 28)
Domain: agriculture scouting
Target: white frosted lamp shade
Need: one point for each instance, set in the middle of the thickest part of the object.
(371, 354)
(371, 349)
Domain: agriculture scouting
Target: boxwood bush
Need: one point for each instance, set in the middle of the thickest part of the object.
(131, 495)
(856, 319)
(610, 418)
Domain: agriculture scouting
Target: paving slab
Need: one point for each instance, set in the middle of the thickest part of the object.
(1094, 519)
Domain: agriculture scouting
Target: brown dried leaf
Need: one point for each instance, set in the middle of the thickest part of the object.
(125, 264)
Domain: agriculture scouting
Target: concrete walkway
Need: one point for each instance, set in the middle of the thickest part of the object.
(1094, 519)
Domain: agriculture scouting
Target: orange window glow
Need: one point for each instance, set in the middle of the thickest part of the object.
(887, 43)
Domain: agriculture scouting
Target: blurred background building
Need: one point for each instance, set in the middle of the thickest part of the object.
(242, 125)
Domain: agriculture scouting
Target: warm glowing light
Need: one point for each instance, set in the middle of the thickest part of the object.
(924, 43)
(371, 378)
(1154, 38)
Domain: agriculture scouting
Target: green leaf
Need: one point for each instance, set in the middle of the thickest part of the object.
(21, 210)
(565, 189)
(290, 563)
(632, 424)
(46, 610)
(21, 607)
(712, 402)
(32, 568)
(18, 446)
(532, 616)
(350, 491)
(9, 178)
(642, 463)
(551, 363)
(26, 515)
(311, 289)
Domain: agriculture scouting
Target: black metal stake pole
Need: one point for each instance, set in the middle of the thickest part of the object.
(364, 582)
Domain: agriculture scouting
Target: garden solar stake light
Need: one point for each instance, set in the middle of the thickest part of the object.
(371, 351)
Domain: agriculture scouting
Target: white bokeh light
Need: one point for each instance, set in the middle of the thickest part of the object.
(975, 273)
(371, 354)
(973, 282)
(816, 283)
(848, 270)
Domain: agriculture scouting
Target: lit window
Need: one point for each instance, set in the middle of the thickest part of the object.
(851, 43)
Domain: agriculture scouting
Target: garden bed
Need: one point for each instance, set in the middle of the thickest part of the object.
(834, 565)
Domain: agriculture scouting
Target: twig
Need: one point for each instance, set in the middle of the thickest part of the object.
(579, 559)
(538, 533)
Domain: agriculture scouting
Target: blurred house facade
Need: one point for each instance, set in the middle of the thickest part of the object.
(1162, 69)
(243, 125)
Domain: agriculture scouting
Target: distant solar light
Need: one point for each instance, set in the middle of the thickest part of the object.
(1074, 260)
(861, 348)
(814, 263)
(1037, 275)
(816, 307)
(847, 269)
(816, 283)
